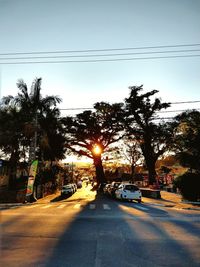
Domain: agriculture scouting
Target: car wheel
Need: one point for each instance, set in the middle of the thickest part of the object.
(139, 201)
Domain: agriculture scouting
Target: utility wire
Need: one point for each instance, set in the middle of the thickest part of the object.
(96, 60)
(99, 50)
(167, 111)
(186, 102)
(102, 55)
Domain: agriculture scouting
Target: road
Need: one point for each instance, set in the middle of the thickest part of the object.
(88, 230)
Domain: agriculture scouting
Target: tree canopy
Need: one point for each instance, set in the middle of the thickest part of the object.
(140, 122)
(187, 139)
(90, 130)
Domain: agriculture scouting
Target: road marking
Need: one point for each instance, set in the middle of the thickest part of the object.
(92, 206)
(46, 207)
(106, 207)
(156, 204)
(60, 206)
(141, 208)
(77, 206)
(30, 206)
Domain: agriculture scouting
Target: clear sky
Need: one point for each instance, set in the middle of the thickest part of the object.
(49, 25)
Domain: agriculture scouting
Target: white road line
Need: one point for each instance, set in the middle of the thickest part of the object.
(92, 206)
(30, 207)
(46, 207)
(156, 204)
(61, 206)
(77, 206)
(106, 207)
(141, 208)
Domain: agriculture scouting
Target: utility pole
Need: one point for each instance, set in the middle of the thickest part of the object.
(33, 144)
(0, 82)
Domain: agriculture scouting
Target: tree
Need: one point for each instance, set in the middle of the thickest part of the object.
(187, 139)
(41, 125)
(11, 138)
(30, 122)
(153, 138)
(131, 152)
(91, 133)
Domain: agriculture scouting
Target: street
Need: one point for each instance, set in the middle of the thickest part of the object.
(88, 230)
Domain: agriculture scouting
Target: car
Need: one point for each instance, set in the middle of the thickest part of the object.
(79, 184)
(106, 189)
(128, 191)
(74, 187)
(67, 190)
(113, 187)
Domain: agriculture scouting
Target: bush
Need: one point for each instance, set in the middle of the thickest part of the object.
(189, 185)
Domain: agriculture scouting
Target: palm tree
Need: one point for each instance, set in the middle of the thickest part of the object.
(35, 109)
(28, 127)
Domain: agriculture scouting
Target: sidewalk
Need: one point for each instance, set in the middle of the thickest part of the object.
(169, 199)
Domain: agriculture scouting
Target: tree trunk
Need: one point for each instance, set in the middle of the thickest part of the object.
(132, 171)
(100, 176)
(149, 156)
(14, 158)
(151, 170)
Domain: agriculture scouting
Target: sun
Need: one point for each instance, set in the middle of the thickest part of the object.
(97, 150)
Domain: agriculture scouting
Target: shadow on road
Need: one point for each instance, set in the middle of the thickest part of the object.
(120, 234)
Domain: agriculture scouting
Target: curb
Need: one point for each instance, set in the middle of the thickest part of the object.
(191, 202)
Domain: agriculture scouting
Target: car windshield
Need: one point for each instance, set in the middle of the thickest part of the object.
(66, 186)
(131, 187)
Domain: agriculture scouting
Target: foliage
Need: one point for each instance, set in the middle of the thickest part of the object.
(165, 169)
(34, 120)
(187, 139)
(88, 129)
(154, 138)
(131, 152)
(189, 185)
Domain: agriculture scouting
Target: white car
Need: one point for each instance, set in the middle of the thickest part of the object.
(128, 191)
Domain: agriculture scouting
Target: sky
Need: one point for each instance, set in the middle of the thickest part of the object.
(28, 26)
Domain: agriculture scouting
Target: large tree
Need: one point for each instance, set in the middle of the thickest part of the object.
(41, 127)
(140, 122)
(187, 139)
(11, 138)
(91, 133)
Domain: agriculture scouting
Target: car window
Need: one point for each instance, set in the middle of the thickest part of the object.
(131, 187)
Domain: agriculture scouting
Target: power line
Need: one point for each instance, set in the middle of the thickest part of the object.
(75, 108)
(97, 60)
(99, 50)
(103, 55)
(186, 102)
(167, 111)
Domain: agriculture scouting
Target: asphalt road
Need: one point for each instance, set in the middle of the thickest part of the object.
(87, 230)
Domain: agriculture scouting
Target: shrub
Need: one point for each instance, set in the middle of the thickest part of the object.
(189, 185)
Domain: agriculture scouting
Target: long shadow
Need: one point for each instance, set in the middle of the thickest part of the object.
(107, 237)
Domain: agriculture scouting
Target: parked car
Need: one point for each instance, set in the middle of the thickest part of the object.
(113, 187)
(74, 187)
(79, 184)
(67, 190)
(128, 191)
(106, 189)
